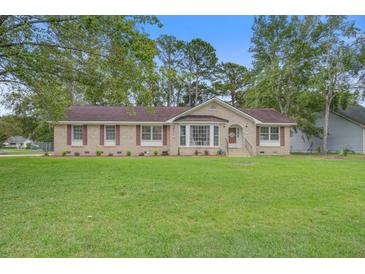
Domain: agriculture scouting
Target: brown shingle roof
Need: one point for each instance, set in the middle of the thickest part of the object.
(209, 118)
(267, 115)
(159, 114)
(120, 113)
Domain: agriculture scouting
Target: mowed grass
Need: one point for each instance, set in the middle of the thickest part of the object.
(295, 206)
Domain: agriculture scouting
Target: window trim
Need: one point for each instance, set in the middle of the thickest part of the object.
(269, 142)
(77, 142)
(184, 136)
(211, 135)
(110, 143)
(151, 142)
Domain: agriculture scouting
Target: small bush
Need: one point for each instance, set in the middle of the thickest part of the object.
(196, 152)
(77, 154)
(110, 154)
(46, 154)
(155, 152)
(206, 152)
(129, 153)
(221, 152)
(64, 153)
(98, 153)
(141, 154)
(345, 151)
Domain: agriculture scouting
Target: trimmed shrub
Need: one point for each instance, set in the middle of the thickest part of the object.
(129, 153)
(98, 153)
(155, 152)
(206, 152)
(64, 153)
(196, 152)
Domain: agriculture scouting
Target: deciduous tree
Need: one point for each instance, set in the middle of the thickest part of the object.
(50, 62)
(231, 80)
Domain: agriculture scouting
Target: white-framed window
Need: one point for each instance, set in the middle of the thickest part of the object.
(199, 135)
(151, 136)
(110, 135)
(216, 136)
(182, 135)
(269, 136)
(77, 135)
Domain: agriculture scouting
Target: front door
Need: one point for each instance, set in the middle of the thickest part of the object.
(232, 136)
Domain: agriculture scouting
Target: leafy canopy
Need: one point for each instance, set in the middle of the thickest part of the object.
(51, 62)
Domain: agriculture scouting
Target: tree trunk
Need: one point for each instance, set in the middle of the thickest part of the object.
(233, 102)
(196, 92)
(189, 90)
(324, 149)
(169, 95)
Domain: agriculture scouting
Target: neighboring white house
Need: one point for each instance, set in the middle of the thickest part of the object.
(17, 142)
(346, 130)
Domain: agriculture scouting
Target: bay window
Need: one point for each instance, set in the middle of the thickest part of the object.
(182, 135)
(199, 135)
(151, 136)
(269, 136)
(77, 135)
(216, 136)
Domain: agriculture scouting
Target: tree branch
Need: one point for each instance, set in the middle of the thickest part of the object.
(3, 19)
(47, 45)
(40, 21)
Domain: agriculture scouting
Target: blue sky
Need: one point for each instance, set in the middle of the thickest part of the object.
(229, 35)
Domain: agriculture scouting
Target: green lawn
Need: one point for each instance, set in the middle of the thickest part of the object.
(295, 206)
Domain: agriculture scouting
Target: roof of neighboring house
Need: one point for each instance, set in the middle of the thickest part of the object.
(355, 113)
(267, 115)
(209, 118)
(162, 114)
(16, 139)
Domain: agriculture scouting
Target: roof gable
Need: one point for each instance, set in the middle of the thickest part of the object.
(218, 101)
